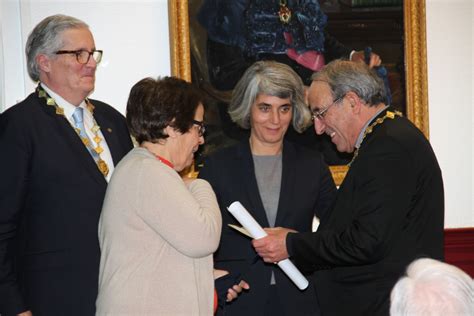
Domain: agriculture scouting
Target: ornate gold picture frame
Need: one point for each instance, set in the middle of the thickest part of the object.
(415, 60)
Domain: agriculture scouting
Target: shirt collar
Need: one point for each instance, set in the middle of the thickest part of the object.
(62, 103)
(361, 134)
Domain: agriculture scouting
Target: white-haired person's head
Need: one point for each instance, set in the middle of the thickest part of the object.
(432, 287)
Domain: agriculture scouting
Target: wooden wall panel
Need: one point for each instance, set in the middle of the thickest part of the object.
(459, 248)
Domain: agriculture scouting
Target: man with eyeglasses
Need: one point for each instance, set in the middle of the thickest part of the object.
(59, 149)
(389, 209)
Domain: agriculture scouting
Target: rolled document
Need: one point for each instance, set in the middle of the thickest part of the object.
(257, 232)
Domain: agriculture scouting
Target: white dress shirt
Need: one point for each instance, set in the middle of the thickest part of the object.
(88, 124)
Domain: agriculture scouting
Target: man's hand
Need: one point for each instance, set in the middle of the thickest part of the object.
(375, 59)
(272, 248)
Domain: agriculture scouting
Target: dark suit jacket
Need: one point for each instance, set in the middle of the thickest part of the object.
(389, 211)
(307, 189)
(51, 194)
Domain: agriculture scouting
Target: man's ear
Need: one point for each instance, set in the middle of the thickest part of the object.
(354, 101)
(44, 62)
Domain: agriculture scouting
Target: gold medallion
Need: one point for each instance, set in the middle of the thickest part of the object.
(50, 101)
(284, 13)
(85, 141)
(104, 169)
(99, 150)
(95, 129)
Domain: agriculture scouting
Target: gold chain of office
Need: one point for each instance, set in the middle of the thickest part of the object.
(389, 115)
(101, 164)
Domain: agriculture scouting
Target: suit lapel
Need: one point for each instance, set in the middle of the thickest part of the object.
(251, 187)
(73, 142)
(287, 183)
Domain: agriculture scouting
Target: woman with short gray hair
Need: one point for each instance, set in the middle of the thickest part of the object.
(271, 78)
(280, 184)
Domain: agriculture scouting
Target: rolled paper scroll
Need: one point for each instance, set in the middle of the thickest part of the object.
(257, 232)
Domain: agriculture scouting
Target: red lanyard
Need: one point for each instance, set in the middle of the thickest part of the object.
(165, 161)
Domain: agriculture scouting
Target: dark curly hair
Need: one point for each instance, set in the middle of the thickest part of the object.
(154, 104)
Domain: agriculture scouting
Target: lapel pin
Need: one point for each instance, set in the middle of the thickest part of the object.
(109, 130)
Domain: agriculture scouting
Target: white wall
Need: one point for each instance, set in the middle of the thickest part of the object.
(134, 37)
(132, 34)
(12, 82)
(450, 85)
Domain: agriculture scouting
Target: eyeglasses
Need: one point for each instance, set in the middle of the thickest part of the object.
(321, 113)
(202, 128)
(83, 56)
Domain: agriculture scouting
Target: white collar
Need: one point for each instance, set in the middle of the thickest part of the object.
(62, 103)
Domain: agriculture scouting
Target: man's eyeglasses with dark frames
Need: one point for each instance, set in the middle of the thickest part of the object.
(83, 56)
(202, 127)
(321, 113)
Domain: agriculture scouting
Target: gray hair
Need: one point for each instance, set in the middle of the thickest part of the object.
(432, 287)
(274, 79)
(46, 39)
(344, 76)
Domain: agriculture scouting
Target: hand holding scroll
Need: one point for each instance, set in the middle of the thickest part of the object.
(257, 232)
(272, 248)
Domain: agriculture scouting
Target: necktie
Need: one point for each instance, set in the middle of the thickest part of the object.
(78, 116)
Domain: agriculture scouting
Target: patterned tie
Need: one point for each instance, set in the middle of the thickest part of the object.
(77, 116)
